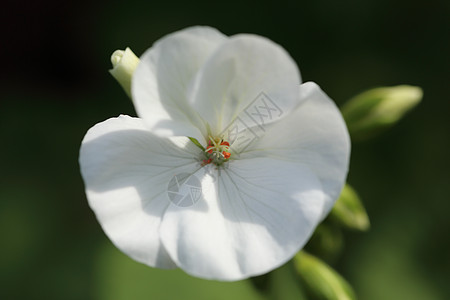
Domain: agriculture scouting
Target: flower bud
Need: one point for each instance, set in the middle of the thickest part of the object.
(349, 210)
(374, 110)
(124, 63)
(320, 280)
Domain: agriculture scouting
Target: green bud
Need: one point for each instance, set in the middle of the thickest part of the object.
(124, 63)
(320, 280)
(374, 110)
(349, 210)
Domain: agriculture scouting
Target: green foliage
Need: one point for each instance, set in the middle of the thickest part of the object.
(327, 241)
(120, 278)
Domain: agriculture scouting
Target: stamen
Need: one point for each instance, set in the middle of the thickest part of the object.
(217, 151)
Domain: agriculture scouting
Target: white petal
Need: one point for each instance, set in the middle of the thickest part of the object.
(163, 77)
(233, 79)
(315, 135)
(253, 217)
(126, 170)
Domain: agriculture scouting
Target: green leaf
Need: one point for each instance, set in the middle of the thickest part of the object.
(197, 143)
(371, 112)
(320, 280)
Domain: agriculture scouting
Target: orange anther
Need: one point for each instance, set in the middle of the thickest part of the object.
(207, 161)
(226, 154)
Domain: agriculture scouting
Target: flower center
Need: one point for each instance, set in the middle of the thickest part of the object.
(217, 151)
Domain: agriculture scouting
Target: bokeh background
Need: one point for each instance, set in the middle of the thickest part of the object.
(55, 85)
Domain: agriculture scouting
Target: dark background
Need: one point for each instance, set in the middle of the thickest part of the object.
(54, 86)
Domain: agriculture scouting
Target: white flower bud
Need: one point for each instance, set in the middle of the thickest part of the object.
(124, 63)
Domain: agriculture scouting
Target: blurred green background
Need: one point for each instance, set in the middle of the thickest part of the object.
(55, 85)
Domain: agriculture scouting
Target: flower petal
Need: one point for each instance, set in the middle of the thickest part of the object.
(126, 170)
(315, 135)
(254, 216)
(241, 70)
(163, 77)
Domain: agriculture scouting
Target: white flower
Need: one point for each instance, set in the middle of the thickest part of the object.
(276, 157)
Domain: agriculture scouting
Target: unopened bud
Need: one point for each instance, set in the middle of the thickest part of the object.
(320, 280)
(369, 112)
(349, 210)
(124, 63)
